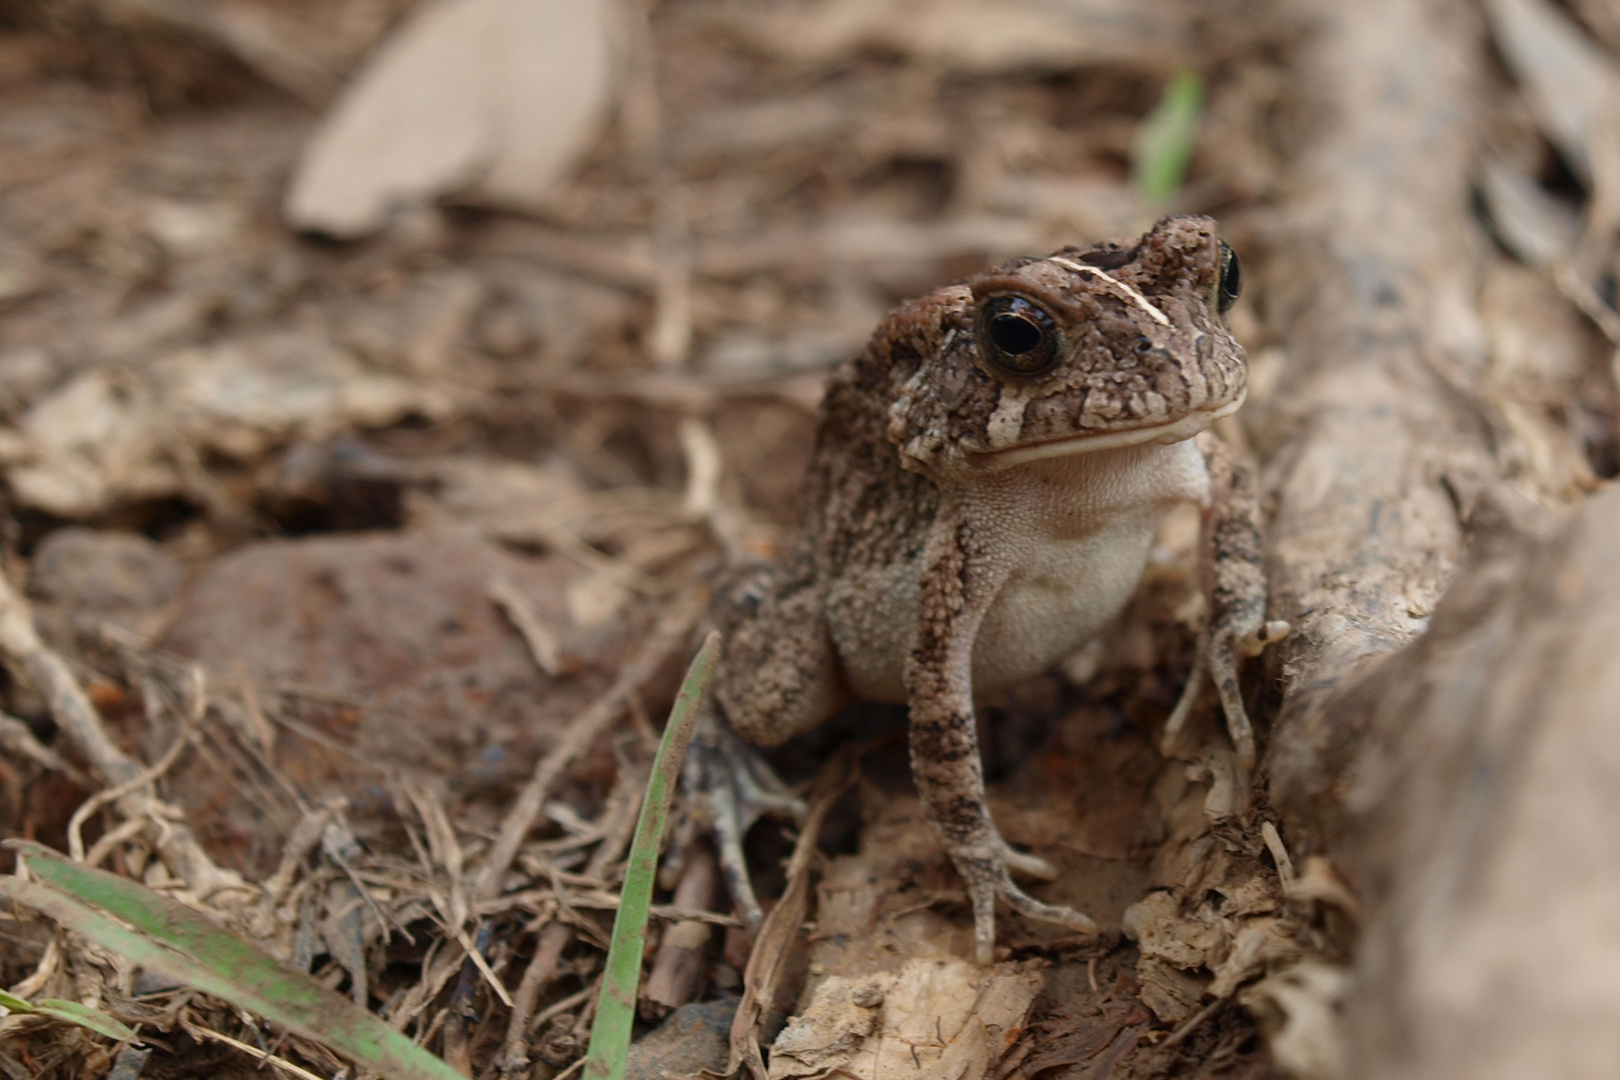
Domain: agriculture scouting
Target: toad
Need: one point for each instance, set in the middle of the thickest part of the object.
(987, 480)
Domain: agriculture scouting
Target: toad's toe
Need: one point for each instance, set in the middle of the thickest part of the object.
(1027, 865)
(1031, 908)
(983, 889)
(736, 787)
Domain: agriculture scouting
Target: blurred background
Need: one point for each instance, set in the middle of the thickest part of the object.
(546, 230)
(402, 363)
(233, 228)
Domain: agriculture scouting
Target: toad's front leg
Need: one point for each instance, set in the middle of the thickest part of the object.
(955, 591)
(1230, 564)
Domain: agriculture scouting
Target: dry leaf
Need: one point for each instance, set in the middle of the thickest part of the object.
(1537, 227)
(497, 96)
(1256, 945)
(1173, 995)
(1602, 17)
(1162, 933)
(931, 1020)
(1572, 86)
(111, 436)
(1300, 1011)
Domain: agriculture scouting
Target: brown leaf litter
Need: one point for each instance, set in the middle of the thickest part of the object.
(357, 573)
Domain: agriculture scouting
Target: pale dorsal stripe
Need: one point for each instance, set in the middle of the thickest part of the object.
(1120, 285)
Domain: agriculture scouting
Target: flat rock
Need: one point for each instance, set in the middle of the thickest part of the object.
(402, 622)
(383, 655)
(695, 1038)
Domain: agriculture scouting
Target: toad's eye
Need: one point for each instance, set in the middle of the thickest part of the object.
(1231, 286)
(1017, 336)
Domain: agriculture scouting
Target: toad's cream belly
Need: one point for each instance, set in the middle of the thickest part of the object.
(1071, 537)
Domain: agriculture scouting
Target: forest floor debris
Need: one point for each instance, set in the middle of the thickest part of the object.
(345, 577)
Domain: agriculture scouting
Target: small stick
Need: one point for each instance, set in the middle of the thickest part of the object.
(70, 706)
(110, 840)
(783, 923)
(1192, 1024)
(303, 838)
(676, 913)
(568, 1073)
(48, 963)
(537, 635)
(73, 712)
(112, 794)
(579, 997)
(418, 997)
(199, 1032)
(457, 1053)
(620, 820)
(17, 738)
(703, 468)
(1279, 853)
(678, 969)
(542, 970)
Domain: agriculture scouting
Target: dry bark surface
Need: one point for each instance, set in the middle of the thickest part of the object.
(376, 405)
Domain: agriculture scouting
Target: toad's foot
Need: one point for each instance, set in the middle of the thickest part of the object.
(1221, 652)
(734, 787)
(987, 878)
(1022, 862)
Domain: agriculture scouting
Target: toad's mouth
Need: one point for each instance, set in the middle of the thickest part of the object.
(1173, 432)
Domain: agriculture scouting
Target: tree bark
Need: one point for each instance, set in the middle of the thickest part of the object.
(1383, 448)
(1453, 758)
(1478, 815)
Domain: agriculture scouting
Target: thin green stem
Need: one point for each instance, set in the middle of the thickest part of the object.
(616, 1005)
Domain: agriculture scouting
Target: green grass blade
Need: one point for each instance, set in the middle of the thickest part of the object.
(94, 1019)
(71, 1012)
(1165, 138)
(171, 939)
(616, 1004)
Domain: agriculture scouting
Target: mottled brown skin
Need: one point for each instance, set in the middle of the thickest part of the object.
(975, 513)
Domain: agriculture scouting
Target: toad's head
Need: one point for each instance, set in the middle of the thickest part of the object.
(1084, 350)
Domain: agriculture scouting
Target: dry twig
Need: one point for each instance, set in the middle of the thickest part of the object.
(619, 821)
(182, 738)
(784, 922)
(537, 636)
(678, 969)
(79, 720)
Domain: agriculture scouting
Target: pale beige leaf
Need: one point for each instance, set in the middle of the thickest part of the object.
(1572, 85)
(499, 97)
(1299, 1009)
(931, 1020)
(111, 436)
(1533, 224)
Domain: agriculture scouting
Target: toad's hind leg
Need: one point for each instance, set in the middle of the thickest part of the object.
(779, 676)
(944, 742)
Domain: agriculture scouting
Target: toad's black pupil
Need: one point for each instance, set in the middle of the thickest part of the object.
(1015, 335)
(1231, 278)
